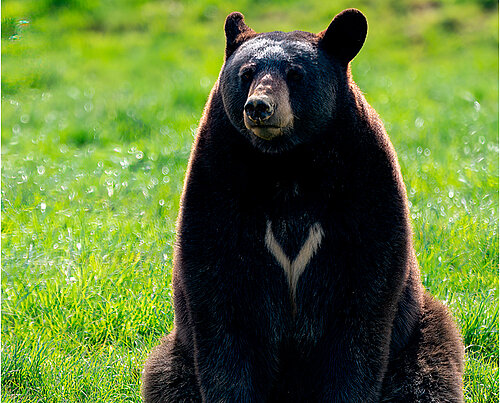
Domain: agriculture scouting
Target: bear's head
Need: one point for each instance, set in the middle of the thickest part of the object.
(283, 89)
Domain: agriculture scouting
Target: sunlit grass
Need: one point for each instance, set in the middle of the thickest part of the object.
(99, 106)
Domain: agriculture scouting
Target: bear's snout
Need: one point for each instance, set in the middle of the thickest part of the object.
(267, 112)
(259, 108)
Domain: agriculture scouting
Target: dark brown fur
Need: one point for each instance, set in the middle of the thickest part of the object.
(360, 327)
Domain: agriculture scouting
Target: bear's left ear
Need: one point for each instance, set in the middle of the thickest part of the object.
(345, 35)
(237, 32)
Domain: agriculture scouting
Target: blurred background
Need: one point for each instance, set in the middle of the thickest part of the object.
(100, 103)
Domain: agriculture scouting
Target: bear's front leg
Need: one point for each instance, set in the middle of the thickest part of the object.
(354, 363)
(347, 361)
(227, 371)
(234, 329)
(233, 363)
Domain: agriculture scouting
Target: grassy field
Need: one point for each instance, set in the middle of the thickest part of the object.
(100, 102)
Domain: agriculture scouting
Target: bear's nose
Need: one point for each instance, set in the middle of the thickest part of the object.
(259, 108)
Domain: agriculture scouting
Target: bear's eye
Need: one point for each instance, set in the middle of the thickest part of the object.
(246, 74)
(295, 73)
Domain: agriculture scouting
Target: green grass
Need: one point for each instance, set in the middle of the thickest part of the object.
(99, 106)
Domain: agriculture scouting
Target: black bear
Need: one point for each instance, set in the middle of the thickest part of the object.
(295, 277)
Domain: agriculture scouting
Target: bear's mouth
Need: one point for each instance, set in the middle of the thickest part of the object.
(265, 132)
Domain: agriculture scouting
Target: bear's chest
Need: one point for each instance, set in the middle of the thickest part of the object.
(293, 233)
(293, 215)
(293, 248)
(288, 216)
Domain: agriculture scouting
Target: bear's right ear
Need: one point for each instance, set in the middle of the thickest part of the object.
(345, 35)
(237, 32)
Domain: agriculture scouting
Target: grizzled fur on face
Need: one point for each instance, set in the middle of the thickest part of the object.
(295, 278)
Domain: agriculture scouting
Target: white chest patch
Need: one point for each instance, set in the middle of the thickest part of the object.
(294, 268)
